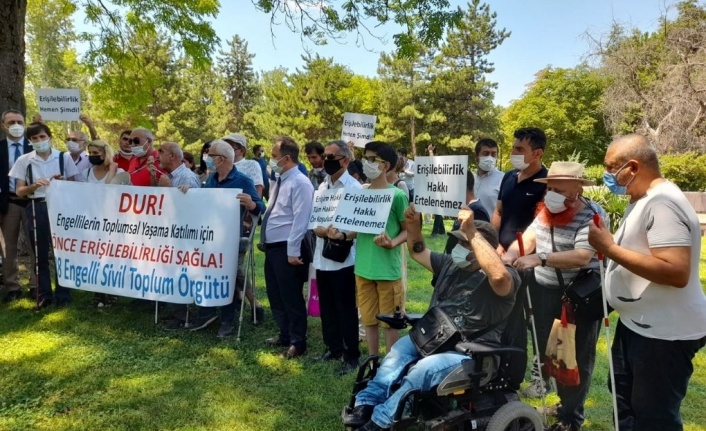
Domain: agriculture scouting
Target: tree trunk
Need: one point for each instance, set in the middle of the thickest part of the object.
(412, 137)
(12, 55)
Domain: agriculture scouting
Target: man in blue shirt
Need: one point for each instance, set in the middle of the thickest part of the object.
(226, 176)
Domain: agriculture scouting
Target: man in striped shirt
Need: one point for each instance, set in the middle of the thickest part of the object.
(558, 236)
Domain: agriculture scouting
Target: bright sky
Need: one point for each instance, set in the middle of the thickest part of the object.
(544, 32)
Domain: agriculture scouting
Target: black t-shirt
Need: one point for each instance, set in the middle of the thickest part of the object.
(519, 203)
(468, 299)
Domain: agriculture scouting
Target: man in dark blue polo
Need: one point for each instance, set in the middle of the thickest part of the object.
(517, 201)
(519, 194)
(225, 176)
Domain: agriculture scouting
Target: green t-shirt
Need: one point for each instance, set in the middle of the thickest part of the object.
(374, 262)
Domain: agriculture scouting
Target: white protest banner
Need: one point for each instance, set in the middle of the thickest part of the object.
(364, 210)
(146, 242)
(325, 203)
(440, 184)
(59, 104)
(358, 128)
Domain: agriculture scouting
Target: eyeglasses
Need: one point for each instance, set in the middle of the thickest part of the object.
(374, 159)
(134, 141)
(333, 157)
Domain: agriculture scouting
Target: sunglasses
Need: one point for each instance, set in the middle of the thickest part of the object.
(134, 141)
(333, 157)
(374, 159)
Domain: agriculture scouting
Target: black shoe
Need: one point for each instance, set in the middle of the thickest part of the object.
(42, 304)
(226, 330)
(32, 293)
(12, 296)
(276, 342)
(561, 426)
(328, 356)
(259, 316)
(359, 416)
(372, 426)
(348, 366)
(174, 324)
(294, 352)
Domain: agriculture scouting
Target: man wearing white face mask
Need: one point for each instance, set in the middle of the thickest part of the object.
(33, 172)
(488, 176)
(11, 206)
(76, 144)
(559, 237)
(144, 165)
(519, 193)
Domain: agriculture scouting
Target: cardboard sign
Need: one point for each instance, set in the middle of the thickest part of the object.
(440, 184)
(58, 104)
(324, 207)
(364, 210)
(358, 128)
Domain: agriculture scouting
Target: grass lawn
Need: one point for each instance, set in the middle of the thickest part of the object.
(82, 368)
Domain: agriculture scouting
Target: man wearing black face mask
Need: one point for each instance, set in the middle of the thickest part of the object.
(336, 280)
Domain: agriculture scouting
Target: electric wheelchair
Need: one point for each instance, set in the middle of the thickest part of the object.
(477, 395)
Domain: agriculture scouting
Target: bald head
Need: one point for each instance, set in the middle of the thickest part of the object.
(634, 147)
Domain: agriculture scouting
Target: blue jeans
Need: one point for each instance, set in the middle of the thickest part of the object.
(424, 375)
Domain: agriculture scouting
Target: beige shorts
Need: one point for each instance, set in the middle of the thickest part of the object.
(377, 297)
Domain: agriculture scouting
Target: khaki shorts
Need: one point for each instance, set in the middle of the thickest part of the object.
(377, 297)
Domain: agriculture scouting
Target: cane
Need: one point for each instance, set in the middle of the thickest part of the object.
(530, 311)
(606, 325)
(36, 253)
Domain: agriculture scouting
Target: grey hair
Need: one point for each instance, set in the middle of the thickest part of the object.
(10, 111)
(148, 133)
(175, 149)
(224, 149)
(343, 148)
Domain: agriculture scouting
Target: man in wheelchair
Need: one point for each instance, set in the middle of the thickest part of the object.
(477, 292)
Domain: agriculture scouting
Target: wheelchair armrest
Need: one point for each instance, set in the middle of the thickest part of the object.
(399, 322)
(485, 348)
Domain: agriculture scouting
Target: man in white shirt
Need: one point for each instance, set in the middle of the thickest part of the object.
(33, 172)
(336, 280)
(652, 281)
(250, 168)
(408, 174)
(488, 176)
(287, 256)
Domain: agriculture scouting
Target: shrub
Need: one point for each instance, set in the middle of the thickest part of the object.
(613, 204)
(686, 170)
(594, 173)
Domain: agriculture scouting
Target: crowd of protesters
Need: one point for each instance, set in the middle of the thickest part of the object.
(652, 261)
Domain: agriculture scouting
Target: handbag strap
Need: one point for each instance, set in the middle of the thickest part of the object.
(559, 276)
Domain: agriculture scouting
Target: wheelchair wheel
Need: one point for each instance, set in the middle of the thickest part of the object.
(515, 416)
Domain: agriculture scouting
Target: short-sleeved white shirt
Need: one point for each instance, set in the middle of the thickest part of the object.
(486, 188)
(42, 168)
(662, 218)
(251, 169)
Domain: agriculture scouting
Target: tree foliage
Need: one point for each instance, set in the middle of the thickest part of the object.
(567, 105)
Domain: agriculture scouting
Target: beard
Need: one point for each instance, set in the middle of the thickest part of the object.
(550, 219)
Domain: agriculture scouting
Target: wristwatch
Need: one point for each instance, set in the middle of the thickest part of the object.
(543, 258)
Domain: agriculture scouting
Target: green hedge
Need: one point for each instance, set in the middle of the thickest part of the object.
(686, 170)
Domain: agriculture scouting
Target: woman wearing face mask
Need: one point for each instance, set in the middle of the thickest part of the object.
(103, 168)
(558, 236)
(202, 171)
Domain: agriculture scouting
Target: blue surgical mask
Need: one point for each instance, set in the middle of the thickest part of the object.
(209, 163)
(611, 181)
(459, 255)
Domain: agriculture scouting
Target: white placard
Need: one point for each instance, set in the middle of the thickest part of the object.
(358, 128)
(59, 104)
(440, 184)
(146, 242)
(364, 210)
(324, 207)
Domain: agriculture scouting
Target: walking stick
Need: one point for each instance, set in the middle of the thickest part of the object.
(36, 253)
(530, 311)
(606, 325)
